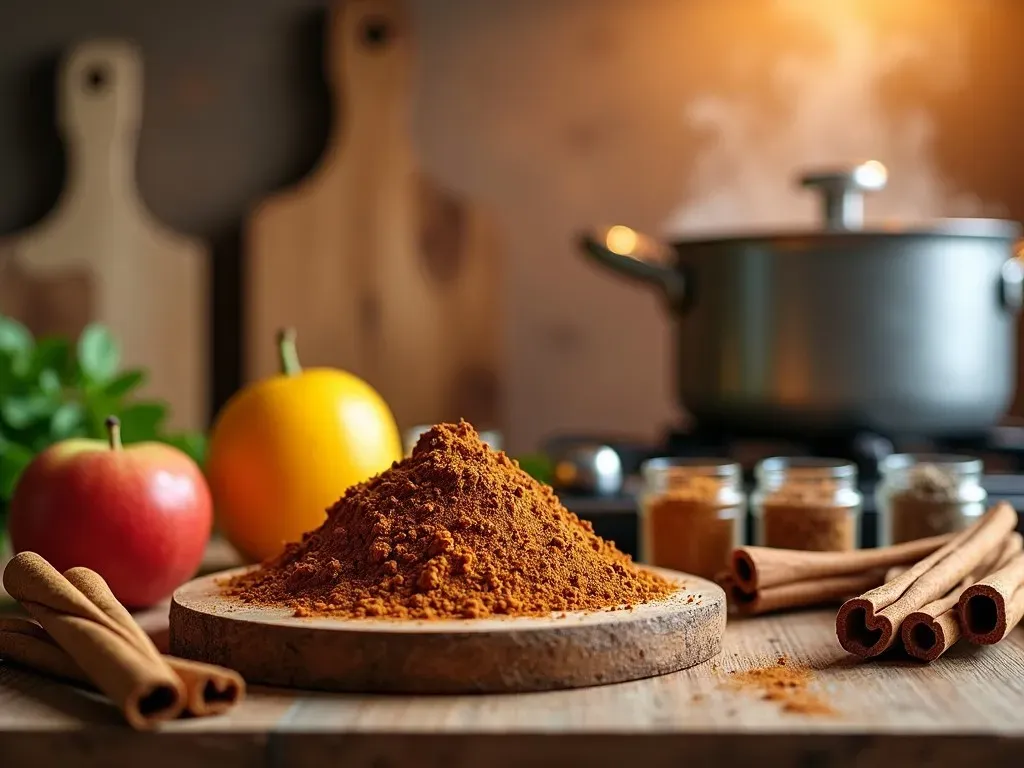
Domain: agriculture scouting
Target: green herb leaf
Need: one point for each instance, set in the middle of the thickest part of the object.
(21, 412)
(52, 354)
(16, 344)
(15, 338)
(9, 380)
(142, 421)
(124, 383)
(537, 465)
(49, 382)
(13, 460)
(98, 354)
(67, 421)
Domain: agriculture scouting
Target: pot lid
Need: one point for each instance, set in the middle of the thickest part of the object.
(842, 194)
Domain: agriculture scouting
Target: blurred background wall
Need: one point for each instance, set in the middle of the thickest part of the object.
(673, 116)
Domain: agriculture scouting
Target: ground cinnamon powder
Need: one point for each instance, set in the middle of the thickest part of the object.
(929, 505)
(454, 531)
(689, 529)
(785, 684)
(806, 516)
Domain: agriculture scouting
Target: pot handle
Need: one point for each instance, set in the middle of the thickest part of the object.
(1011, 282)
(637, 256)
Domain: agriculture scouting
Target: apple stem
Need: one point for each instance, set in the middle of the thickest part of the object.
(114, 432)
(289, 355)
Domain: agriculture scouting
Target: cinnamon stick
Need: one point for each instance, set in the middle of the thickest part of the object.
(145, 689)
(868, 625)
(756, 568)
(97, 591)
(935, 628)
(801, 594)
(995, 605)
(210, 690)
(25, 642)
(895, 571)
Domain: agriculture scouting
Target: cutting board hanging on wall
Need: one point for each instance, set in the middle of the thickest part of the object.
(100, 256)
(381, 273)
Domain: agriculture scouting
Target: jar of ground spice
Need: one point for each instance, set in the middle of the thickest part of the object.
(692, 514)
(923, 495)
(807, 503)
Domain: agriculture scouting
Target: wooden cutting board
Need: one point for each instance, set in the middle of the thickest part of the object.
(100, 255)
(381, 273)
(269, 645)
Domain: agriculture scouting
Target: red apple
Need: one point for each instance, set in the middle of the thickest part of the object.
(140, 515)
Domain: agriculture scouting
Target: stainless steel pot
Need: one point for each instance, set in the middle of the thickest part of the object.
(897, 330)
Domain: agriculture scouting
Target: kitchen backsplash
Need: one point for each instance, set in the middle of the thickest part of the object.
(674, 116)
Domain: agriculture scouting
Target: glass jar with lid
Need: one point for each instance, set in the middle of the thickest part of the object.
(807, 503)
(692, 514)
(923, 495)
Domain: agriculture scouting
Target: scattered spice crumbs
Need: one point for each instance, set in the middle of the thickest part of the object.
(785, 684)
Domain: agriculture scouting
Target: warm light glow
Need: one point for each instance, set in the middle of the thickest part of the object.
(621, 240)
(871, 175)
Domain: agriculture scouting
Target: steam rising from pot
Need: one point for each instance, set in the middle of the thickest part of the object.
(836, 115)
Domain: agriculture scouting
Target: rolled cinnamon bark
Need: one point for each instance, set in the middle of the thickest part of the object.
(935, 628)
(210, 689)
(20, 626)
(97, 592)
(26, 643)
(868, 625)
(756, 568)
(995, 605)
(895, 571)
(145, 689)
(803, 594)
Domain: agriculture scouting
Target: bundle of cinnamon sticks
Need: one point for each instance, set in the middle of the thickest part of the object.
(82, 633)
(924, 594)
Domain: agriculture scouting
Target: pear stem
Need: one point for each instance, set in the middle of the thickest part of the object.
(114, 433)
(288, 354)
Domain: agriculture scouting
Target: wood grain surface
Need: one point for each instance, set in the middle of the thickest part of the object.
(966, 709)
(501, 655)
(381, 273)
(100, 255)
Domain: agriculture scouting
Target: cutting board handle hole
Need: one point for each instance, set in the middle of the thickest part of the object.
(97, 78)
(377, 32)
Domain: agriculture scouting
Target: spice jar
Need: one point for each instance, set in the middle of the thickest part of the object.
(923, 495)
(692, 514)
(807, 503)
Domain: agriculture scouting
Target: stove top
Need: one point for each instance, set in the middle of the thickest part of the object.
(1002, 448)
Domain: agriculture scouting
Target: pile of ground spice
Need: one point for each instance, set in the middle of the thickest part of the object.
(785, 684)
(455, 530)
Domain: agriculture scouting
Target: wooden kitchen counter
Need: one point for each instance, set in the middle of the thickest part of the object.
(966, 709)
